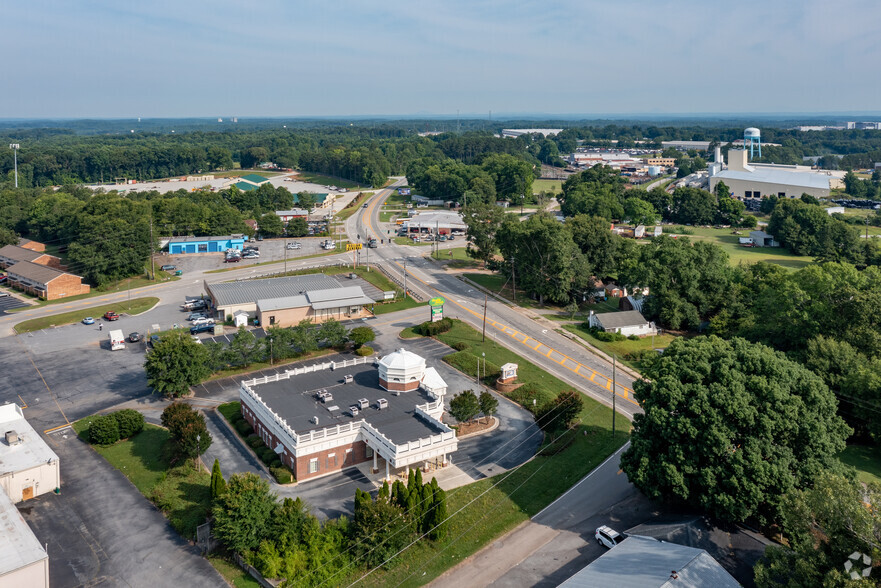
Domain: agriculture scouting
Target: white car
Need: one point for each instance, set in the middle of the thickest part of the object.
(294, 246)
(608, 537)
(203, 321)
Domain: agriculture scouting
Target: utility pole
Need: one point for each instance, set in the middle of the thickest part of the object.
(152, 261)
(14, 147)
(614, 362)
(368, 253)
(514, 280)
(285, 260)
(405, 279)
(484, 316)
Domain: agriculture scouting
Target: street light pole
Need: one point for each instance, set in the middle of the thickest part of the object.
(614, 365)
(405, 279)
(14, 147)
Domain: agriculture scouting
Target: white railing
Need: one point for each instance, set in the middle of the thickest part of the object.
(307, 369)
(329, 432)
(263, 411)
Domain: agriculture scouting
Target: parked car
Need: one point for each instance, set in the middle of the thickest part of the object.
(201, 329)
(232, 259)
(111, 316)
(251, 255)
(196, 339)
(3, 278)
(259, 237)
(196, 315)
(168, 268)
(88, 321)
(608, 537)
(154, 339)
(203, 321)
(134, 337)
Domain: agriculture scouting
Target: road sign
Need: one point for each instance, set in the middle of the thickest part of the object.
(436, 301)
(353, 246)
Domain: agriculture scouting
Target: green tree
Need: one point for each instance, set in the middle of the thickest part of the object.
(379, 530)
(103, 430)
(488, 404)
(464, 406)
(187, 429)
(270, 225)
(640, 212)
(218, 484)
(823, 526)
(439, 524)
(304, 336)
(597, 242)
(130, 422)
(722, 191)
(731, 427)
(561, 413)
(513, 176)
(297, 227)
(333, 334)
(242, 514)
(693, 206)
(306, 201)
(482, 221)
(176, 363)
(244, 347)
(361, 336)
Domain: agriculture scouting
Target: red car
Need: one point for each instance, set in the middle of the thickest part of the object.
(233, 259)
(111, 316)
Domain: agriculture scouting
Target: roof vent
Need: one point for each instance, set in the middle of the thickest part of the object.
(314, 420)
(12, 438)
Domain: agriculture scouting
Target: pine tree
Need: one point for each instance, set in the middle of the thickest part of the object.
(439, 523)
(384, 492)
(399, 494)
(428, 505)
(218, 484)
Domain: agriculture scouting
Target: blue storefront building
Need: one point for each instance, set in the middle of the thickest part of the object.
(180, 245)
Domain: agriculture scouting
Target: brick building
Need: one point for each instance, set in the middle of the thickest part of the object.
(32, 245)
(12, 254)
(45, 282)
(323, 418)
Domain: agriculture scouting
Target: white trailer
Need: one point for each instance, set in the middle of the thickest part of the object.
(117, 340)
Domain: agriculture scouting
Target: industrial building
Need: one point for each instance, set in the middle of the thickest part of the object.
(180, 245)
(441, 221)
(45, 282)
(12, 254)
(514, 133)
(644, 562)
(757, 180)
(323, 418)
(289, 299)
(28, 468)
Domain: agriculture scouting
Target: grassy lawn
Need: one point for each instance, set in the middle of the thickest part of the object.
(409, 241)
(539, 186)
(621, 348)
(352, 207)
(409, 333)
(232, 573)
(132, 307)
(399, 304)
(738, 254)
(305, 176)
(244, 172)
(866, 460)
(460, 259)
(386, 216)
(180, 491)
(498, 284)
(487, 509)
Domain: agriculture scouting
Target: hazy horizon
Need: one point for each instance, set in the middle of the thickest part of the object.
(645, 58)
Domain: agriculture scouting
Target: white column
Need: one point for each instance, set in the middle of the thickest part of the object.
(388, 476)
(375, 466)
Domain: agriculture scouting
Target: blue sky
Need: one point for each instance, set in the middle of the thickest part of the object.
(159, 58)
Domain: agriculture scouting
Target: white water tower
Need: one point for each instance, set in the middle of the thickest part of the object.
(752, 137)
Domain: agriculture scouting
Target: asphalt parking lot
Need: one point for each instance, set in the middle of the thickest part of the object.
(270, 250)
(10, 302)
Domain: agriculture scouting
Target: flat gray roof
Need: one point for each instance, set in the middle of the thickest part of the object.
(624, 318)
(30, 452)
(250, 291)
(338, 297)
(294, 400)
(19, 547)
(643, 562)
(777, 176)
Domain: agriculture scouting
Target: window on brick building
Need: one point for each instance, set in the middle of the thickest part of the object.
(313, 465)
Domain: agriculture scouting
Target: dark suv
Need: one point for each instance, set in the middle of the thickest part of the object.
(201, 329)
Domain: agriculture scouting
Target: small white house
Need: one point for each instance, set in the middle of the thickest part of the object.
(627, 322)
(763, 239)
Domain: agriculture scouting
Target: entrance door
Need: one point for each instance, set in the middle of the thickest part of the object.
(27, 493)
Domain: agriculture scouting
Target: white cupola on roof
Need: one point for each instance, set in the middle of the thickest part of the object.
(401, 371)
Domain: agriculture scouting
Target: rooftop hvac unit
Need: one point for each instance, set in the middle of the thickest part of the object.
(353, 410)
(363, 403)
(326, 397)
(314, 420)
(347, 379)
(381, 403)
(12, 438)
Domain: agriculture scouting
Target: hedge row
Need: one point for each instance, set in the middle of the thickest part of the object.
(430, 329)
(270, 458)
(532, 397)
(110, 428)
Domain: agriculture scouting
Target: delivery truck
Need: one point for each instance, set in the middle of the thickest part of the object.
(117, 340)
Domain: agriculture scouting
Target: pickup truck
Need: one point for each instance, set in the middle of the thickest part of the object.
(111, 316)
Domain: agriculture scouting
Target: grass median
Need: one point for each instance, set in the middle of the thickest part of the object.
(129, 307)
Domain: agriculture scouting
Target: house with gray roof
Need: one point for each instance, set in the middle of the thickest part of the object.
(625, 322)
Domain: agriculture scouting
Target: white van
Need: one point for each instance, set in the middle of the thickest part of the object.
(117, 340)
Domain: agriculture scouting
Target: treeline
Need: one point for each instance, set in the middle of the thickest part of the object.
(284, 540)
(497, 177)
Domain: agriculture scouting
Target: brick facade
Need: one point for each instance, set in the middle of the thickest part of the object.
(66, 286)
(328, 460)
(399, 386)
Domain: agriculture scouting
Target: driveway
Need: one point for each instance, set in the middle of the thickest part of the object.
(101, 531)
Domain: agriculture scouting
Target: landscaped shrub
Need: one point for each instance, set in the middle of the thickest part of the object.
(364, 351)
(633, 337)
(429, 329)
(608, 337)
(527, 393)
(282, 475)
(236, 418)
(255, 442)
(266, 455)
(466, 362)
(244, 428)
(129, 421)
(104, 430)
(276, 462)
(461, 346)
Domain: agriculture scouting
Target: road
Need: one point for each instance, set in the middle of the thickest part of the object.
(510, 326)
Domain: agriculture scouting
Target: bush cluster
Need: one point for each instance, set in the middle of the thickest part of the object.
(605, 336)
(466, 362)
(461, 346)
(110, 428)
(364, 351)
(265, 454)
(525, 394)
(282, 475)
(430, 329)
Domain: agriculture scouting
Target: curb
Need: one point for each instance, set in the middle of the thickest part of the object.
(599, 353)
(492, 428)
